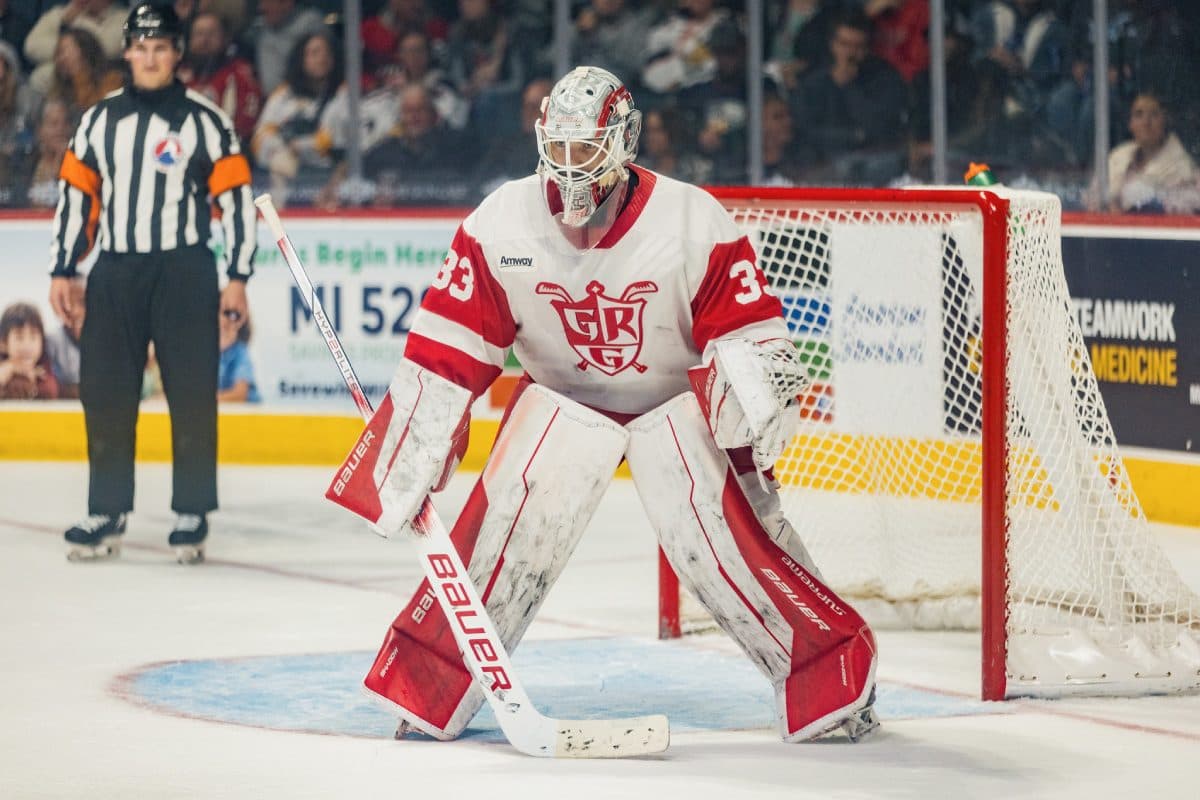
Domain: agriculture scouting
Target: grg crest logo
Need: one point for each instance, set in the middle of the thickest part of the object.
(605, 331)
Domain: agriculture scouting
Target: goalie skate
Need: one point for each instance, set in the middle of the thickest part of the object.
(856, 727)
(96, 538)
(187, 539)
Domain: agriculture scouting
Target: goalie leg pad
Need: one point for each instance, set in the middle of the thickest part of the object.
(551, 464)
(757, 583)
(409, 447)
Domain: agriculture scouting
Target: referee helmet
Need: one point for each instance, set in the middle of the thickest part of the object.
(153, 21)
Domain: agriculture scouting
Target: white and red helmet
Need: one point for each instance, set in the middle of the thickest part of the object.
(587, 133)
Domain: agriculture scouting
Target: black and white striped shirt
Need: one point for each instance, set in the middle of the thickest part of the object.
(141, 169)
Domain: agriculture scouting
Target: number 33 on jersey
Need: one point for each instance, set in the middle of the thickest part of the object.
(615, 327)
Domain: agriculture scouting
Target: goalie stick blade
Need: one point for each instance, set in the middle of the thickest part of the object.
(616, 738)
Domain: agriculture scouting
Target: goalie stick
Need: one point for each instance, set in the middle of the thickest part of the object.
(482, 650)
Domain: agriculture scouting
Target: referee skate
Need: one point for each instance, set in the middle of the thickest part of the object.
(95, 538)
(187, 539)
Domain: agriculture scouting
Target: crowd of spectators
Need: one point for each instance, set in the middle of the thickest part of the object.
(450, 90)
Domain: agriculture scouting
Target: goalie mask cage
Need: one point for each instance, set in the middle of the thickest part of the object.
(954, 465)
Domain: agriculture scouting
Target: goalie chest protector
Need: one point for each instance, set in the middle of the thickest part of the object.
(615, 327)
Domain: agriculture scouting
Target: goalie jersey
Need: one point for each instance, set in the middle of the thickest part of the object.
(615, 327)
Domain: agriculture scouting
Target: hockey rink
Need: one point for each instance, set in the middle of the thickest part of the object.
(240, 678)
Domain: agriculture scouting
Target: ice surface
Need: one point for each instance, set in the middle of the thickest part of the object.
(140, 678)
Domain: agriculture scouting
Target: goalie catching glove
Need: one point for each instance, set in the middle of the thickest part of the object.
(410, 448)
(749, 394)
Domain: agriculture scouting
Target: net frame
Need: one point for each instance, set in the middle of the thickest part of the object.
(997, 220)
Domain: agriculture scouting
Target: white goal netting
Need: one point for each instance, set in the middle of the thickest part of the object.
(885, 299)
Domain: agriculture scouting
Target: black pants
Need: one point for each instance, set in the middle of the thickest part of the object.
(169, 298)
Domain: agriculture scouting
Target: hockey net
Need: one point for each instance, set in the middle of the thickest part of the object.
(955, 467)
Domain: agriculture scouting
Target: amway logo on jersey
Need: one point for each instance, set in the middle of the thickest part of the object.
(522, 264)
(605, 331)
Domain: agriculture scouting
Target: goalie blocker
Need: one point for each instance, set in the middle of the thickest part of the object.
(410, 447)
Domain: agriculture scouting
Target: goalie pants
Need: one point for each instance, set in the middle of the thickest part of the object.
(169, 298)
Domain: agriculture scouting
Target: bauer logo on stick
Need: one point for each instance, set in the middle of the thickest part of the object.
(605, 331)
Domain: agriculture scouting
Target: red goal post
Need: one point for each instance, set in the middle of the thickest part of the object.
(955, 466)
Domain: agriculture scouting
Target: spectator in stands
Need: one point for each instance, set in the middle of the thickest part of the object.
(235, 374)
(798, 38)
(378, 117)
(1158, 50)
(211, 68)
(103, 19)
(17, 18)
(1152, 173)
(62, 345)
(379, 114)
(531, 30)
(513, 155)
(411, 65)
(611, 34)
(420, 162)
(782, 164)
(381, 34)
(40, 178)
(1070, 107)
(234, 14)
(1025, 42)
(665, 147)
(854, 111)
(974, 106)
(677, 49)
(25, 372)
(1149, 45)
(285, 139)
(482, 67)
(900, 34)
(16, 122)
(716, 107)
(82, 75)
(279, 27)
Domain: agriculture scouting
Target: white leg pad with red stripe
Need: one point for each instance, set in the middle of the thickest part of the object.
(746, 565)
(551, 464)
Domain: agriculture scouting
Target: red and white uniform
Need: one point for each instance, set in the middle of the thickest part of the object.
(615, 327)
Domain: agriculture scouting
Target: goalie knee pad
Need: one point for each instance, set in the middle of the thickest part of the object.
(552, 461)
(757, 583)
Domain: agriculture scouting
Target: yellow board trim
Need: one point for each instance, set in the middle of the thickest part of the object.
(1167, 488)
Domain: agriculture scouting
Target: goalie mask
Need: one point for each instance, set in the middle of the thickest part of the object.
(587, 133)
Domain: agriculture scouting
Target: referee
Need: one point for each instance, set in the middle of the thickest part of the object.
(145, 171)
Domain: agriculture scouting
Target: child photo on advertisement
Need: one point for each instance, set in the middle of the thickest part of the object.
(235, 376)
(62, 345)
(25, 372)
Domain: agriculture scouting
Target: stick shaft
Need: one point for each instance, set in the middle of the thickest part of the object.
(309, 295)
